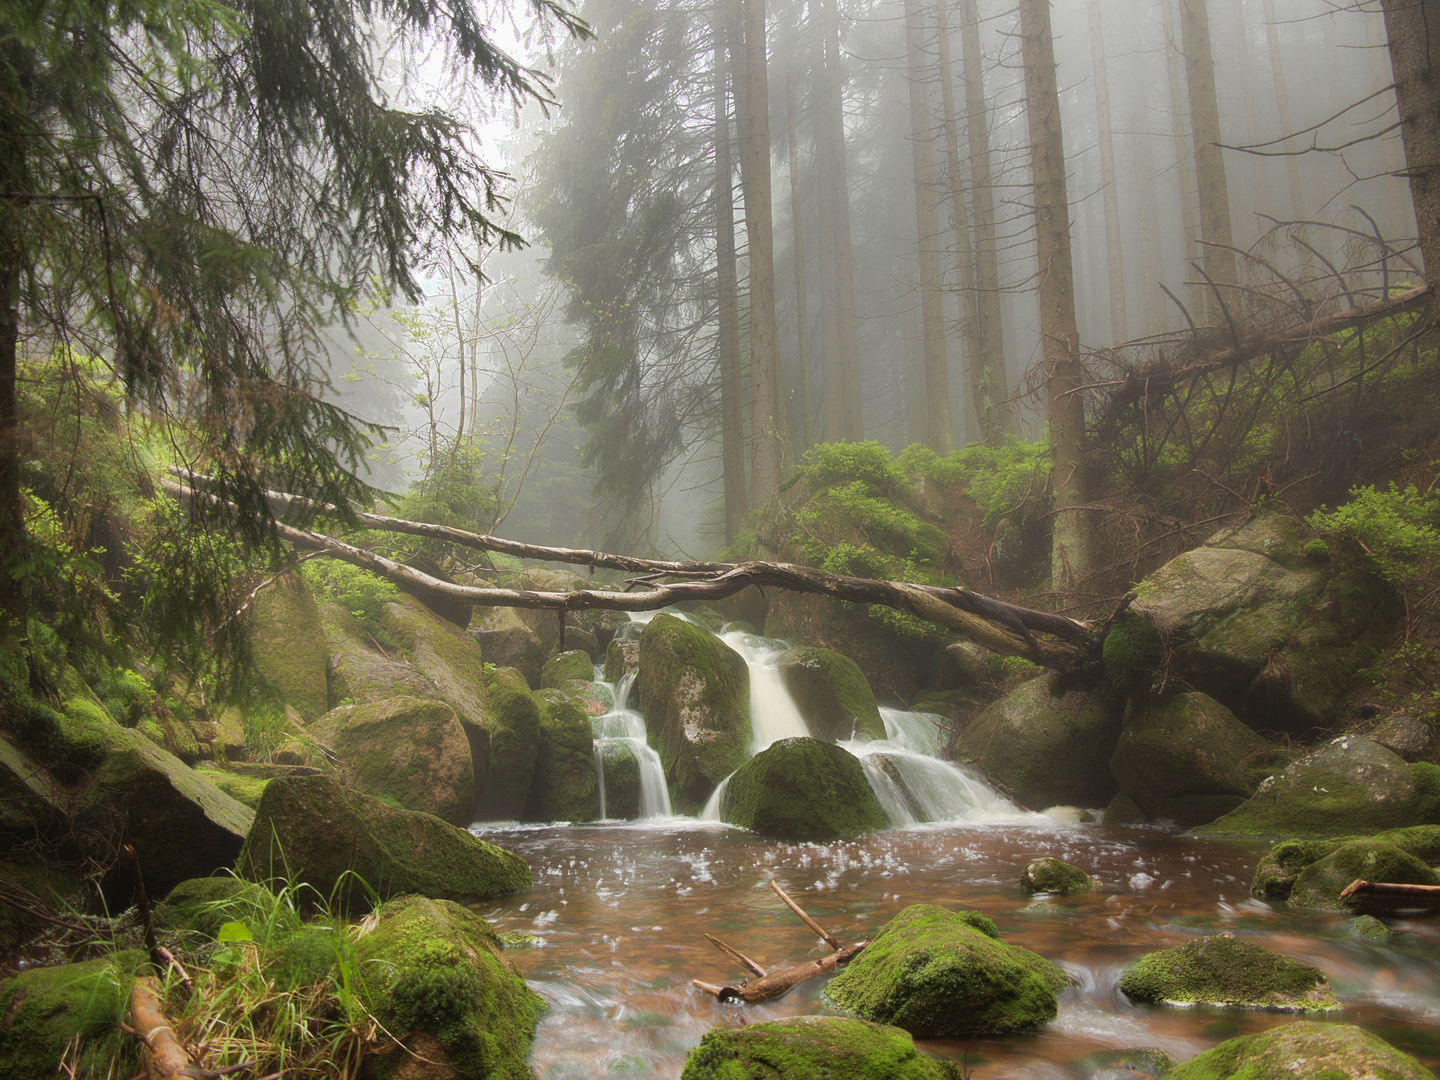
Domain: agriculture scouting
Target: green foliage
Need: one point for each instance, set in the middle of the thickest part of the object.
(999, 479)
(360, 592)
(866, 462)
(265, 729)
(1397, 527)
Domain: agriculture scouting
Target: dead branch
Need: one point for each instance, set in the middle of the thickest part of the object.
(166, 1058)
(1429, 893)
(825, 936)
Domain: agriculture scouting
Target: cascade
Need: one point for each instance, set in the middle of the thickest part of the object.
(622, 726)
(773, 714)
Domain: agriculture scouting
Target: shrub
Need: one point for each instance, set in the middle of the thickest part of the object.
(1396, 527)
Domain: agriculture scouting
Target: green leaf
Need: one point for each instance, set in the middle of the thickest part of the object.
(234, 931)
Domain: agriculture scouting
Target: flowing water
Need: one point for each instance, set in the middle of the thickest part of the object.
(623, 726)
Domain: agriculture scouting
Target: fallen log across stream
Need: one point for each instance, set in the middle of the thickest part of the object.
(772, 984)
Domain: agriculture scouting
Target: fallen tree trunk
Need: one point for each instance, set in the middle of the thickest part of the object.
(165, 1057)
(1430, 894)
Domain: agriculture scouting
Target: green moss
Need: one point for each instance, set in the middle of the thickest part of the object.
(513, 722)
(804, 1047)
(1052, 875)
(1230, 971)
(289, 645)
(204, 904)
(1316, 551)
(562, 671)
(55, 1004)
(802, 789)
(932, 973)
(831, 693)
(1123, 810)
(564, 785)
(1277, 870)
(1304, 1050)
(1319, 885)
(1367, 928)
(622, 780)
(243, 789)
(1132, 651)
(978, 920)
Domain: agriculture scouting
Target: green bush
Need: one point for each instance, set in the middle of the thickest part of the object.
(359, 591)
(998, 478)
(1397, 527)
(843, 462)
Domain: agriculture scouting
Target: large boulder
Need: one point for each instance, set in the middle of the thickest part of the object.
(1320, 884)
(502, 779)
(1280, 867)
(1046, 745)
(1187, 759)
(563, 670)
(621, 778)
(622, 656)
(810, 1047)
(348, 845)
(1348, 786)
(1304, 1050)
(933, 973)
(888, 661)
(359, 673)
(1278, 637)
(411, 751)
(45, 1008)
(695, 694)
(563, 788)
(288, 645)
(447, 656)
(446, 992)
(1412, 737)
(802, 789)
(507, 641)
(831, 693)
(1224, 970)
(542, 621)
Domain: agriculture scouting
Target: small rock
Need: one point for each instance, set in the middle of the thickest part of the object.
(1367, 928)
(1225, 970)
(1409, 736)
(1052, 875)
(806, 1047)
(561, 672)
(1304, 1050)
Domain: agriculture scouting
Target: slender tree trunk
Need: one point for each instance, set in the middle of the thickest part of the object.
(1392, 158)
(1148, 225)
(1060, 339)
(1109, 184)
(732, 416)
(1260, 190)
(766, 431)
(1282, 104)
(802, 309)
(1217, 258)
(1413, 29)
(939, 430)
(12, 510)
(997, 419)
(1195, 290)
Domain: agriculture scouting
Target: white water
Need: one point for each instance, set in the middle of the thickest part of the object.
(622, 726)
(773, 715)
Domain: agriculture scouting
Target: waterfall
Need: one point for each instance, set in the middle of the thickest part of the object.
(622, 727)
(773, 715)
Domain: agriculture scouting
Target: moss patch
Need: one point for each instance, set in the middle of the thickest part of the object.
(1228, 971)
(812, 1046)
(1277, 870)
(57, 1003)
(831, 693)
(1052, 875)
(513, 721)
(1132, 651)
(288, 640)
(1304, 1050)
(802, 789)
(243, 789)
(563, 671)
(1320, 884)
(564, 785)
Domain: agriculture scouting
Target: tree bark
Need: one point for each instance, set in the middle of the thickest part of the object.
(1060, 339)
(939, 428)
(1194, 288)
(1109, 185)
(802, 307)
(1413, 30)
(1218, 258)
(1260, 190)
(1149, 225)
(732, 416)
(1282, 104)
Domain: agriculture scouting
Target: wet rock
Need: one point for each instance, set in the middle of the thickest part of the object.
(443, 987)
(502, 782)
(1123, 810)
(288, 644)
(1136, 1063)
(311, 829)
(831, 694)
(1304, 1050)
(1410, 737)
(1349, 785)
(622, 656)
(1277, 870)
(802, 789)
(565, 669)
(888, 661)
(1227, 971)
(1046, 746)
(506, 641)
(1319, 885)
(1187, 759)
(932, 973)
(1051, 875)
(695, 694)
(1367, 928)
(411, 751)
(44, 1008)
(563, 788)
(808, 1047)
(622, 780)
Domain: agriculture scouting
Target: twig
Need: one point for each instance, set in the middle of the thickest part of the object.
(825, 935)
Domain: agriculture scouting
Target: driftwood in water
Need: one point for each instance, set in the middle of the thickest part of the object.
(1430, 894)
(166, 1058)
(773, 984)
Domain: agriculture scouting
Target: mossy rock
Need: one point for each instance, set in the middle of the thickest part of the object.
(1132, 652)
(622, 656)
(1131, 1063)
(831, 693)
(1224, 970)
(506, 641)
(695, 694)
(1123, 810)
(562, 671)
(1277, 870)
(44, 1008)
(809, 1048)
(1046, 745)
(542, 621)
(1187, 759)
(802, 789)
(359, 673)
(289, 645)
(313, 830)
(1367, 928)
(205, 904)
(1319, 885)
(934, 974)
(445, 991)
(1347, 787)
(412, 751)
(564, 785)
(889, 661)
(32, 803)
(1304, 1050)
(622, 780)
(1051, 875)
(503, 782)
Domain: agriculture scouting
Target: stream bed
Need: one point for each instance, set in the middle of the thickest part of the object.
(620, 912)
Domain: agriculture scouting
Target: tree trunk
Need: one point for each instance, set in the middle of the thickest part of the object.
(1282, 104)
(997, 418)
(1217, 258)
(767, 455)
(802, 308)
(732, 416)
(1194, 289)
(12, 511)
(1260, 190)
(1109, 185)
(1060, 339)
(1148, 223)
(939, 431)
(1413, 28)
(1400, 219)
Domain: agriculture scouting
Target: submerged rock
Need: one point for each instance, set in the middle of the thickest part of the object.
(802, 789)
(1051, 875)
(1304, 1050)
(934, 974)
(44, 1008)
(622, 780)
(1319, 885)
(1227, 971)
(1136, 1063)
(811, 1047)
(502, 782)
(563, 788)
(831, 694)
(1367, 928)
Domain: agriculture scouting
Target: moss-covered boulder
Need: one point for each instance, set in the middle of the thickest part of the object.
(1046, 745)
(810, 1047)
(1123, 810)
(1304, 1050)
(506, 641)
(446, 993)
(563, 670)
(1277, 637)
(44, 1008)
(1133, 651)
(889, 662)
(1319, 885)
(1411, 737)
(289, 646)
(831, 693)
(622, 656)
(410, 751)
(622, 779)
(563, 788)
(695, 694)
(1278, 869)
(1348, 786)
(1224, 970)
(1051, 875)
(802, 789)
(32, 802)
(312, 829)
(932, 973)
(359, 673)
(205, 904)
(1186, 759)
(502, 781)
(1367, 928)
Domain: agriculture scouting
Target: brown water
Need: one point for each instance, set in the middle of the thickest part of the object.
(622, 910)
